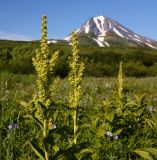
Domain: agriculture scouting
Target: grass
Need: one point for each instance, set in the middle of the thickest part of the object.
(15, 88)
(19, 86)
(94, 90)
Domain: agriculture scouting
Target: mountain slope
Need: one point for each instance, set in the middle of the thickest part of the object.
(107, 32)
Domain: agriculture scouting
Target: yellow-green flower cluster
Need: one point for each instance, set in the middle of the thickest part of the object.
(44, 67)
(120, 82)
(75, 75)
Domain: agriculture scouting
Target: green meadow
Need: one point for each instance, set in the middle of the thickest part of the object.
(18, 87)
(89, 106)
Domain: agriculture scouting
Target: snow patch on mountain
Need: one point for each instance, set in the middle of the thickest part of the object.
(107, 44)
(118, 33)
(136, 36)
(100, 26)
(67, 38)
(122, 28)
(52, 41)
(150, 45)
(98, 42)
(101, 38)
(138, 40)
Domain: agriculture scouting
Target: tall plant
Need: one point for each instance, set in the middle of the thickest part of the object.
(44, 67)
(44, 64)
(75, 77)
(120, 85)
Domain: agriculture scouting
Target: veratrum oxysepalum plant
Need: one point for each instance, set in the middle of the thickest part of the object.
(75, 77)
(47, 144)
(43, 102)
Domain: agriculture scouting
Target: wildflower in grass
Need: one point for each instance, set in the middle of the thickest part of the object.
(155, 99)
(109, 134)
(54, 126)
(151, 109)
(115, 137)
(13, 126)
(7, 91)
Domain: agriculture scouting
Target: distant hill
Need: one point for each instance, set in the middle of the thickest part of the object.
(16, 57)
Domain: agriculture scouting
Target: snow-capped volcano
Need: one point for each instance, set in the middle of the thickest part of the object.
(102, 30)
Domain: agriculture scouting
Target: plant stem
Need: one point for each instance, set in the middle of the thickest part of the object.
(46, 156)
(75, 126)
(45, 130)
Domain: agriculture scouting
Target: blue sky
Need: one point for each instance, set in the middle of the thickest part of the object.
(21, 19)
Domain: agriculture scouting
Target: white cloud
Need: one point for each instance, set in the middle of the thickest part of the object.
(14, 36)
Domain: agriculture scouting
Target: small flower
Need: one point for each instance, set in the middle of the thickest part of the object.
(7, 91)
(155, 99)
(13, 126)
(151, 109)
(10, 126)
(109, 134)
(115, 137)
(54, 126)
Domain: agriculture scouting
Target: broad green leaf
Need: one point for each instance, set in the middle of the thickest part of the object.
(130, 104)
(106, 126)
(94, 156)
(37, 150)
(118, 131)
(106, 103)
(100, 132)
(85, 126)
(150, 123)
(109, 116)
(119, 112)
(154, 116)
(77, 134)
(83, 152)
(71, 152)
(55, 148)
(28, 106)
(139, 112)
(141, 100)
(63, 130)
(152, 151)
(126, 113)
(94, 122)
(24, 104)
(55, 114)
(35, 120)
(143, 154)
(44, 109)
